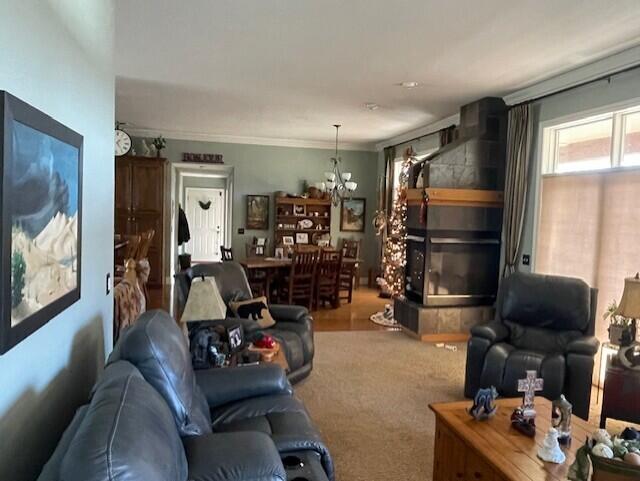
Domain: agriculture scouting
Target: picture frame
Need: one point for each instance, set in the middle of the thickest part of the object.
(353, 214)
(279, 253)
(302, 238)
(288, 240)
(323, 242)
(299, 210)
(257, 212)
(235, 337)
(41, 163)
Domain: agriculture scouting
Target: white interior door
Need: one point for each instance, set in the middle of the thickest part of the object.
(205, 211)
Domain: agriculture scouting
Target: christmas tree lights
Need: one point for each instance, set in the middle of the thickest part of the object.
(394, 255)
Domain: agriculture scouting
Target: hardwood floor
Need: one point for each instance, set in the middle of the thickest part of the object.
(354, 316)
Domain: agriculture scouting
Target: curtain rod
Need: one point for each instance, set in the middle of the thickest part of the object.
(542, 97)
(577, 86)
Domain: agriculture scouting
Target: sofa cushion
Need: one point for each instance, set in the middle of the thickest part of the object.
(552, 302)
(282, 417)
(540, 338)
(230, 278)
(127, 433)
(157, 347)
(51, 470)
(233, 457)
(551, 368)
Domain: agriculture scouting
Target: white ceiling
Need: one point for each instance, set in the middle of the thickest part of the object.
(252, 70)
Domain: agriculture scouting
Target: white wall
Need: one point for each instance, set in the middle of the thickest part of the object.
(57, 56)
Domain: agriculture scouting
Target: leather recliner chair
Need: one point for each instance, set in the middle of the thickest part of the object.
(542, 323)
(294, 325)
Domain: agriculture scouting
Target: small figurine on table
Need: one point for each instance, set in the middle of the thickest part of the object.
(484, 405)
(561, 410)
(550, 450)
(529, 386)
(522, 424)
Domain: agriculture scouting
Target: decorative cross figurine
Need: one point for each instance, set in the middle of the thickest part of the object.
(529, 386)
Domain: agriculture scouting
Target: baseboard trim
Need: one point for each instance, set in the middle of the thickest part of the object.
(445, 337)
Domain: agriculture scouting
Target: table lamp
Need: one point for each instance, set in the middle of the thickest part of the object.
(629, 308)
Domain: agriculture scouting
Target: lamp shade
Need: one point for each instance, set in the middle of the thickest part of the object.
(629, 306)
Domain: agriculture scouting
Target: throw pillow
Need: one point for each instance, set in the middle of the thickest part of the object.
(204, 302)
(255, 309)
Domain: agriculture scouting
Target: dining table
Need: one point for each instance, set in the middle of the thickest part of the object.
(271, 265)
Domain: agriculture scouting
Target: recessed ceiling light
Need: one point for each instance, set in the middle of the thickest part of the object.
(410, 84)
(371, 106)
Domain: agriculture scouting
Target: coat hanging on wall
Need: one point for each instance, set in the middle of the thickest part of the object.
(184, 235)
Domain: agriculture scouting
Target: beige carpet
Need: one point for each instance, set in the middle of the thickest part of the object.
(369, 394)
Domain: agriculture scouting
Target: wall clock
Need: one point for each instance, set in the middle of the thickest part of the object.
(122, 142)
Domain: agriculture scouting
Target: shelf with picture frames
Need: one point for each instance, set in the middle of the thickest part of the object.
(292, 211)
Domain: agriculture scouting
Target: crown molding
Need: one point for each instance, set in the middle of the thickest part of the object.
(239, 139)
(611, 64)
(420, 131)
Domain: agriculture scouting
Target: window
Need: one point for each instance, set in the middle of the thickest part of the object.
(599, 142)
(631, 153)
(589, 210)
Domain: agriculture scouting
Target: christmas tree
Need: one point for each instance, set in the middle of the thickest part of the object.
(394, 255)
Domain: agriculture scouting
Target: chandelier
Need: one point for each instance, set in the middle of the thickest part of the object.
(338, 184)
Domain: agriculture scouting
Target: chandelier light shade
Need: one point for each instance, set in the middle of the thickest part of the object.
(338, 184)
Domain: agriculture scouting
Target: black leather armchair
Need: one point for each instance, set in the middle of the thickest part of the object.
(543, 323)
(294, 325)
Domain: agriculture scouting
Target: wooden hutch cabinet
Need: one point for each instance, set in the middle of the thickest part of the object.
(139, 204)
(294, 215)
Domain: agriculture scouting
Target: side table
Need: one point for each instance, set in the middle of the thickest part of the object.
(621, 396)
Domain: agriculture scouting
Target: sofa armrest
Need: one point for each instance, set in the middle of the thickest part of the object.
(587, 345)
(493, 331)
(282, 312)
(224, 385)
(235, 455)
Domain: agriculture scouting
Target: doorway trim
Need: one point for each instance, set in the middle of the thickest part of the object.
(189, 169)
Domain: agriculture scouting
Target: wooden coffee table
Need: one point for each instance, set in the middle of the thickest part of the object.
(492, 450)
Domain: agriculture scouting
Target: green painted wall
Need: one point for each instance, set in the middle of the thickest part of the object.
(261, 169)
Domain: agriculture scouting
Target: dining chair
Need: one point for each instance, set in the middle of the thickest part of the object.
(299, 288)
(347, 275)
(350, 249)
(130, 252)
(226, 253)
(328, 278)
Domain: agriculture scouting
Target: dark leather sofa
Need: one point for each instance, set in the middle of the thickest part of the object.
(152, 417)
(542, 323)
(294, 325)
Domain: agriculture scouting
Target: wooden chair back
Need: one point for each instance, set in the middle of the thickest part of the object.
(329, 266)
(328, 277)
(226, 253)
(146, 238)
(302, 277)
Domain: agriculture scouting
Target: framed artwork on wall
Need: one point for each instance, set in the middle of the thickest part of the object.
(352, 214)
(258, 212)
(41, 219)
(287, 240)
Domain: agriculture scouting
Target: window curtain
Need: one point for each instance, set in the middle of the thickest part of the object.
(387, 192)
(515, 194)
(588, 228)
